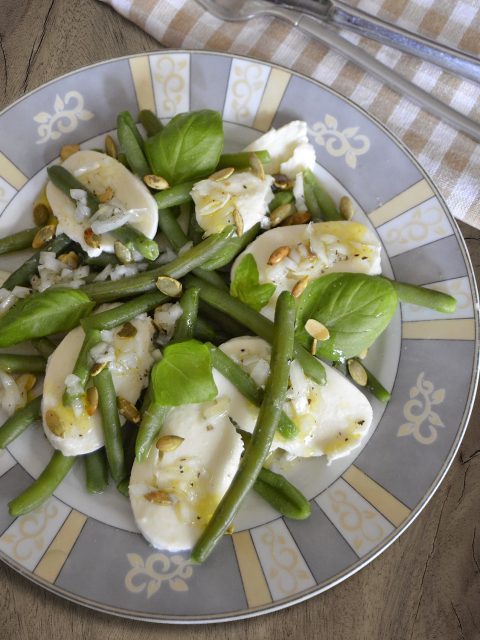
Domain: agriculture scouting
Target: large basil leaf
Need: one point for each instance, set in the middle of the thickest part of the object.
(188, 148)
(355, 308)
(183, 375)
(246, 284)
(41, 314)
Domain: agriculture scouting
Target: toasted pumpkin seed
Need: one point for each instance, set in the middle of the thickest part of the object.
(357, 372)
(301, 217)
(91, 238)
(128, 330)
(282, 182)
(230, 530)
(346, 208)
(128, 410)
(363, 354)
(110, 147)
(92, 400)
(238, 221)
(106, 195)
(300, 287)
(313, 348)
(317, 330)
(155, 182)
(222, 174)
(43, 235)
(256, 166)
(278, 255)
(41, 214)
(97, 368)
(26, 381)
(158, 497)
(53, 422)
(69, 259)
(281, 213)
(68, 150)
(169, 286)
(122, 252)
(169, 443)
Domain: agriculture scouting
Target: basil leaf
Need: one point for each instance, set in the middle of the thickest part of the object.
(183, 375)
(246, 284)
(41, 314)
(355, 308)
(188, 148)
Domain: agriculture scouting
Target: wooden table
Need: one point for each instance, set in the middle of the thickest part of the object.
(426, 586)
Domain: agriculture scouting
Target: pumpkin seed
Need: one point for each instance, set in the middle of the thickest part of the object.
(128, 330)
(256, 166)
(41, 214)
(278, 255)
(300, 287)
(92, 400)
(110, 147)
(97, 368)
(169, 443)
(222, 174)
(128, 410)
(238, 221)
(53, 422)
(26, 381)
(43, 235)
(70, 259)
(122, 252)
(346, 208)
(155, 182)
(317, 330)
(357, 372)
(91, 238)
(158, 497)
(68, 150)
(282, 182)
(281, 213)
(301, 217)
(313, 348)
(106, 195)
(169, 286)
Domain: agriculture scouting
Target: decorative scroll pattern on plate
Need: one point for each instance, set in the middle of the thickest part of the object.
(158, 569)
(347, 143)
(245, 90)
(67, 113)
(422, 421)
(170, 74)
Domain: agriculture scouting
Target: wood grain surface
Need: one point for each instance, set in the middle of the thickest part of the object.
(426, 586)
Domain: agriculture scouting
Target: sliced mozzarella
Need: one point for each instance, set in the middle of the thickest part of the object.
(98, 172)
(194, 477)
(130, 367)
(332, 419)
(290, 151)
(315, 249)
(242, 194)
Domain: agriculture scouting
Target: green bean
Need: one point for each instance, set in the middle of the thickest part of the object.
(127, 118)
(130, 432)
(150, 122)
(125, 312)
(195, 231)
(241, 160)
(225, 303)
(44, 346)
(185, 328)
(259, 446)
(152, 421)
(128, 137)
(107, 401)
(122, 158)
(317, 199)
(247, 387)
(96, 471)
(82, 365)
(282, 495)
(21, 277)
(229, 325)
(43, 487)
(177, 239)
(280, 198)
(17, 241)
(179, 194)
(19, 421)
(424, 297)
(375, 386)
(134, 239)
(66, 181)
(12, 363)
(101, 261)
(235, 246)
(143, 282)
(206, 333)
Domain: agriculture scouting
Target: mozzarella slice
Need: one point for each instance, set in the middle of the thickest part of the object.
(332, 419)
(130, 368)
(193, 477)
(314, 250)
(289, 148)
(218, 202)
(98, 172)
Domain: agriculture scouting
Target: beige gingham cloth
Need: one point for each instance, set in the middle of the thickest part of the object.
(451, 158)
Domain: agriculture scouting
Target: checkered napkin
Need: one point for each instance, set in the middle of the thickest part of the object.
(451, 158)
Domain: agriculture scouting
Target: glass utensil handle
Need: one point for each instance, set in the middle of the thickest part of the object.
(458, 62)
